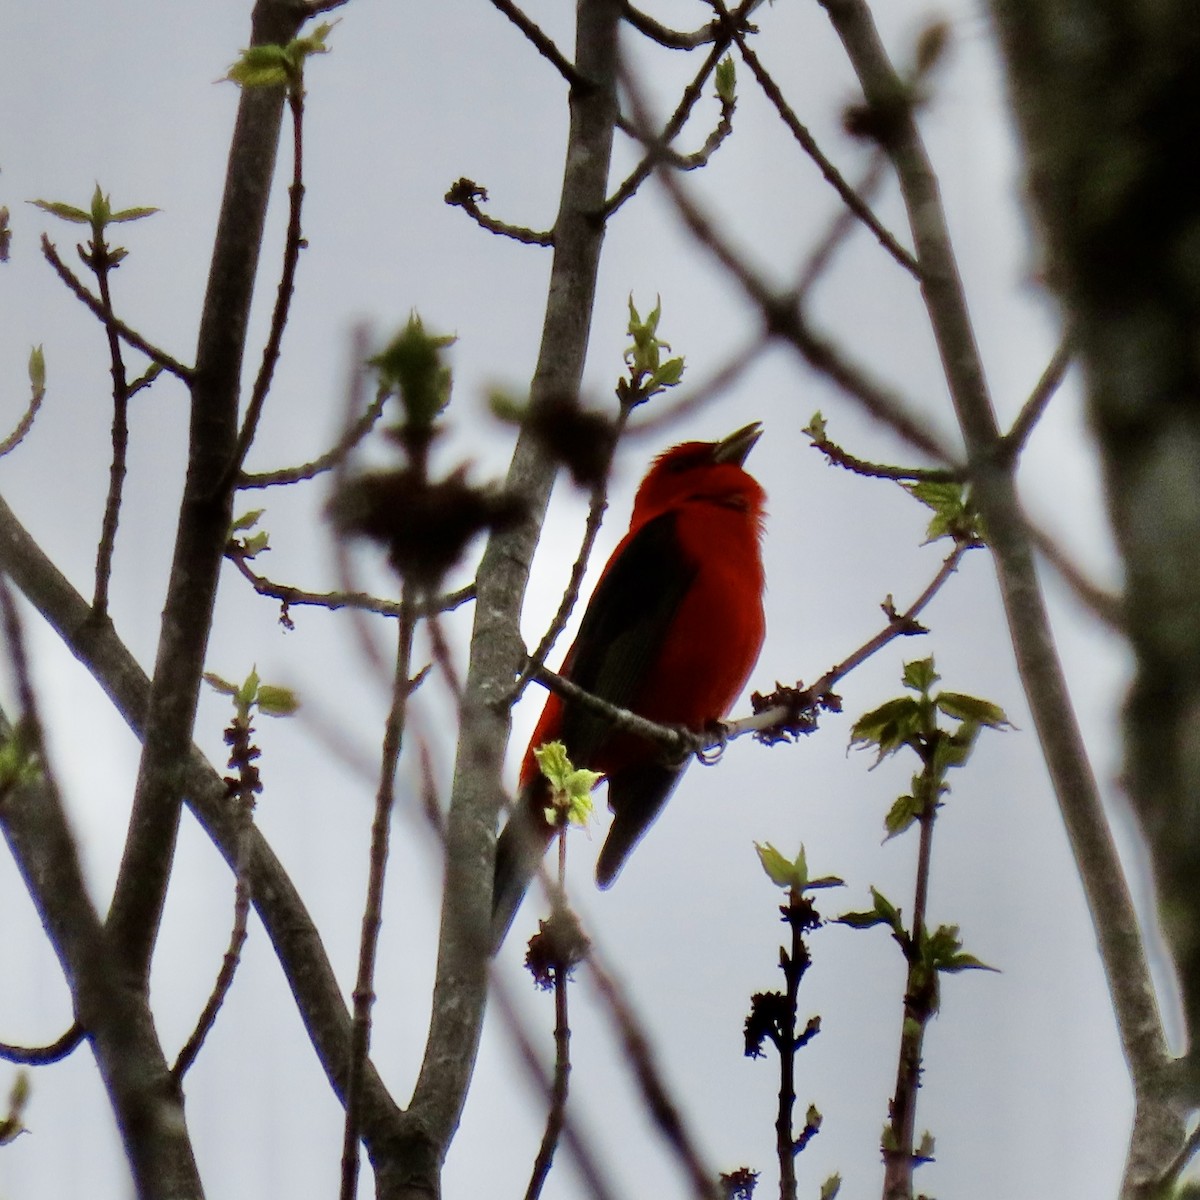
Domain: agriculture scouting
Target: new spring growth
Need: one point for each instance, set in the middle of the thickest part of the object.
(570, 786)
(648, 373)
(792, 875)
(912, 721)
(276, 66)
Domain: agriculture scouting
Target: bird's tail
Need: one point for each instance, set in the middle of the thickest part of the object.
(521, 846)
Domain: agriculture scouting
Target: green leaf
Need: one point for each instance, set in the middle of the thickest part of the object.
(276, 701)
(883, 913)
(68, 212)
(261, 66)
(101, 209)
(903, 813)
(815, 428)
(131, 214)
(965, 962)
(920, 675)
(247, 520)
(19, 761)
(831, 1187)
(255, 545)
(792, 874)
(248, 692)
(972, 709)
(571, 786)
(953, 750)
(412, 366)
(892, 725)
(954, 514)
(668, 375)
(924, 1150)
(37, 370)
(507, 408)
(726, 81)
(220, 685)
(861, 920)
(313, 43)
(779, 869)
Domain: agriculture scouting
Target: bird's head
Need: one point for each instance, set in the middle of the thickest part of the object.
(702, 473)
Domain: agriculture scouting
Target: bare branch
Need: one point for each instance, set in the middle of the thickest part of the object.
(205, 510)
(290, 927)
(872, 470)
(691, 94)
(289, 596)
(131, 336)
(809, 145)
(1118, 930)
(501, 580)
(357, 431)
(372, 919)
(672, 39)
(466, 194)
(541, 42)
(36, 395)
(1033, 408)
(784, 322)
(37, 1056)
(293, 243)
(110, 1006)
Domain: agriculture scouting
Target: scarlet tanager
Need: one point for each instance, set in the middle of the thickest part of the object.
(671, 633)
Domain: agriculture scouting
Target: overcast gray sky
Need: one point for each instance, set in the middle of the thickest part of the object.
(1024, 1086)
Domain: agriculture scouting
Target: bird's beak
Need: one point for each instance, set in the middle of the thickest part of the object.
(737, 446)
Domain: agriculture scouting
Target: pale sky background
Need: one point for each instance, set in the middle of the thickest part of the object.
(1024, 1086)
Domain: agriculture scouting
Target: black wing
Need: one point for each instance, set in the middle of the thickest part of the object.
(626, 620)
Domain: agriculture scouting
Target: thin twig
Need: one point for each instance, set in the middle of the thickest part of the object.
(324, 462)
(597, 506)
(808, 144)
(25, 424)
(101, 263)
(691, 94)
(1101, 603)
(290, 596)
(38, 1056)
(1013, 442)
(556, 1116)
(466, 194)
(293, 243)
(782, 319)
(237, 939)
(364, 994)
(666, 1115)
(920, 1004)
(902, 624)
(672, 39)
(844, 222)
(872, 470)
(132, 337)
(542, 42)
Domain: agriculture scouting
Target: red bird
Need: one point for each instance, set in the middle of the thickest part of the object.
(671, 632)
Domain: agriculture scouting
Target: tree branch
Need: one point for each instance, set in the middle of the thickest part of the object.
(1111, 906)
(501, 580)
(297, 943)
(131, 336)
(110, 1005)
(204, 514)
